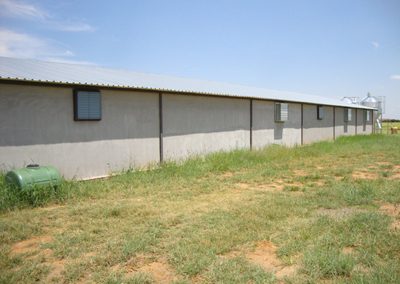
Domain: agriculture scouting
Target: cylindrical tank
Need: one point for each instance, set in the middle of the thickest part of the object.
(33, 175)
(371, 101)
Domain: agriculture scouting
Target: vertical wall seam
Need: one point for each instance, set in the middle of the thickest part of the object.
(373, 122)
(161, 129)
(302, 124)
(251, 124)
(334, 123)
(356, 121)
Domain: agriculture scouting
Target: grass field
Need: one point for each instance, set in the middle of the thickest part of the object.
(386, 125)
(324, 213)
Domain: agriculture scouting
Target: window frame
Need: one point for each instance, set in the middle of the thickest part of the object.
(347, 117)
(75, 102)
(367, 115)
(278, 108)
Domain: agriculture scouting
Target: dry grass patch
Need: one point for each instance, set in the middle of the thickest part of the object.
(177, 222)
(242, 185)
(159, 269)
(348, 250)
(45, 256)
(387, 169)
(319, 183)
(395, 174)
(31, 245)
(274, 186)
(265, 256)
(227, 175)
(57, 267)
(392, 210)
(366, 175)
(338, 213)
(300, 173)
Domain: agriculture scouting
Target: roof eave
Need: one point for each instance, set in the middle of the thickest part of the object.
(25, 81)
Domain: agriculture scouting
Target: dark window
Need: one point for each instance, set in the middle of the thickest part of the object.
(320, 112)
(87, 105)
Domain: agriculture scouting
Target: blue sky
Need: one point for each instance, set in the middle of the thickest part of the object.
(320, 47)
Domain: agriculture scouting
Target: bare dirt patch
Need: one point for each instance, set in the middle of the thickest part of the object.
(339, 178)
(265, 256)
(227, 175)
(395, 225)
(384, 163)
(33, 246)
(160, 270)
(274, 186)
(242, 185)
(30, 245)
(300, 173)
(280, 184)
(392, 210)
(395, 176)
(270, 187)
(391, 171)
(365, 175)
(395, 172)
(56, 270)
(348, 250)
(319, 183)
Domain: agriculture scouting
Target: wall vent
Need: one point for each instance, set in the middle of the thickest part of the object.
(281, 112)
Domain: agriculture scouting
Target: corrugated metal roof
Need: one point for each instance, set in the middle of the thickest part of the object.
(91, 75)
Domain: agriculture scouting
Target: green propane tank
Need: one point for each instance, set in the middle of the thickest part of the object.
(33, 175)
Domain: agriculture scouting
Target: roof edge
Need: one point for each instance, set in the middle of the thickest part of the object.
(10, 80)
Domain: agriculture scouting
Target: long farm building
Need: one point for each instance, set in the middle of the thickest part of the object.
(90, 121)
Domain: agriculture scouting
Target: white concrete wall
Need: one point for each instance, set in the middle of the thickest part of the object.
(266, 131)
(315, 129)
(37, 126)
(196, 125)
(344, 128)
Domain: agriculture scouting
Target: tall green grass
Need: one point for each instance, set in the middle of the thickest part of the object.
(202, 217)
(273, 159)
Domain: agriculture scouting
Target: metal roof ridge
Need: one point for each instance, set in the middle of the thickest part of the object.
(151, 81)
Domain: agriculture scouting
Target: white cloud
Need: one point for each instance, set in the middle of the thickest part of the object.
(375, 44)
(14, 44)
(20, 45)
(23, 10)
(395, 77)
(26, 11)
